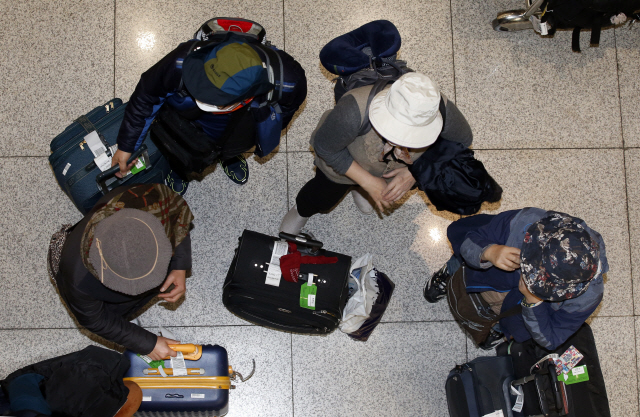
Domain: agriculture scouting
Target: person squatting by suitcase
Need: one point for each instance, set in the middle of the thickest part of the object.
(212, 86)
(550, 263)
(106, 273)
(406, 119)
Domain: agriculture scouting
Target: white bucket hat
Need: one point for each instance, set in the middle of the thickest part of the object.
(407, 113)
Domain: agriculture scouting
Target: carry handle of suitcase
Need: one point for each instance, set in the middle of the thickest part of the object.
(313, 245)
(103, 178)
(185, 348)
(190, 351)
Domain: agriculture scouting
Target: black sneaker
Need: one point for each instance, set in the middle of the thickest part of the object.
(236, 169)
(176, 183)
(493, 339)
(436, 287)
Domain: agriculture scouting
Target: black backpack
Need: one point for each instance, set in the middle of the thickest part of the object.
(586, 14)
(365, 56)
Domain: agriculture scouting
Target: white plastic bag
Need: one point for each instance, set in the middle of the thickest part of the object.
(359, 304)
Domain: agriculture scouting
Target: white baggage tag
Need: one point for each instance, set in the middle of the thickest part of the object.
(541, 27)
(178, 365)
(95, 144)
(497, 413)
(517, 407)
(103, 162)
(274, 274)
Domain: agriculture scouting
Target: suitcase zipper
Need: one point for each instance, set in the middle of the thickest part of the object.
(333, 319)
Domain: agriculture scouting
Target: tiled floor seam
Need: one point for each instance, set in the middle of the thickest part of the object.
(115, 22)
(293, 400)
(230, 325)
(453, 53)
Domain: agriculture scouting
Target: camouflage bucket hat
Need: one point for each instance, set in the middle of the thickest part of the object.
(559, 257)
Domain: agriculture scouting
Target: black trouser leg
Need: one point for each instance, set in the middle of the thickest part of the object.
(319, 195)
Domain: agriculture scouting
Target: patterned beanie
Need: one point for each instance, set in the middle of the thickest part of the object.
(559, 257)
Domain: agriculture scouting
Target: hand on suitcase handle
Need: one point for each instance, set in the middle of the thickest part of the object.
(121, 159)
(163, 349)
(102, 178)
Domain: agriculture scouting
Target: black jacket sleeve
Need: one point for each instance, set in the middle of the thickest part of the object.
(97, 318)
(181, 259)
(156, 84)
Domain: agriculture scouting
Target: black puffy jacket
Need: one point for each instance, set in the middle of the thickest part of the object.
(164, 80)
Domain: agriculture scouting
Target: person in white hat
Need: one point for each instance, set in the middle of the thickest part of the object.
(407, 117)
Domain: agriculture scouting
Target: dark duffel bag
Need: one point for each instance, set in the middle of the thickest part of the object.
(189, 149)
(247, 295)
(481, 387)
(471, 310)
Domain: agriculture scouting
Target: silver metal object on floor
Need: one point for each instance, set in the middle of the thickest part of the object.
(514, 20)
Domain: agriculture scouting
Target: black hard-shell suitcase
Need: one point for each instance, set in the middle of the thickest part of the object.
(204, 392)
(73, 162)
(247, 295)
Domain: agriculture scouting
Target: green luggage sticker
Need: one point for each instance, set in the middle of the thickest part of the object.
(575, 375)
(308, 296)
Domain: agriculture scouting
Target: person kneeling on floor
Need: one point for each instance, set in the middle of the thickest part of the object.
(406, 118)
(550, 263)
(211, 88)
(132, 246)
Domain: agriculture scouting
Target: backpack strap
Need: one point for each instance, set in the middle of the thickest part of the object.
(378, 86)
(575, 39)
(596, 27)
(179, 62)
(270, 57)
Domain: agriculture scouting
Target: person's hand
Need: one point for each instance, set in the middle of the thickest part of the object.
(375, 186)
(401, 183)
(121, 158)
(162, 349)
(178, 278)
(504, 257)
(528, 296)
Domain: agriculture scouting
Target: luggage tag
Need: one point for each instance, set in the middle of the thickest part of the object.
(150, 362)
(274, 274)
(139, 166)
(517, 407)
(577, 374)
(541, 27)
(568, 360)
(178, 365)
(308, 293)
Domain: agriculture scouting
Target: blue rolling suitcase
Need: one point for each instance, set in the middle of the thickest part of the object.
(204, 391)
(73, 162)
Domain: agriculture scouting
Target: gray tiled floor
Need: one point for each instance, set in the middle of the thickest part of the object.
(556, 129)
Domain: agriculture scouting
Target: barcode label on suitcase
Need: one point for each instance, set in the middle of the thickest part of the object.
(273, 273)
(178, 365)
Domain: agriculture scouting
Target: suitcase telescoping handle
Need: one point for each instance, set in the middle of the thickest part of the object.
(107, 180)
(313, 245)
